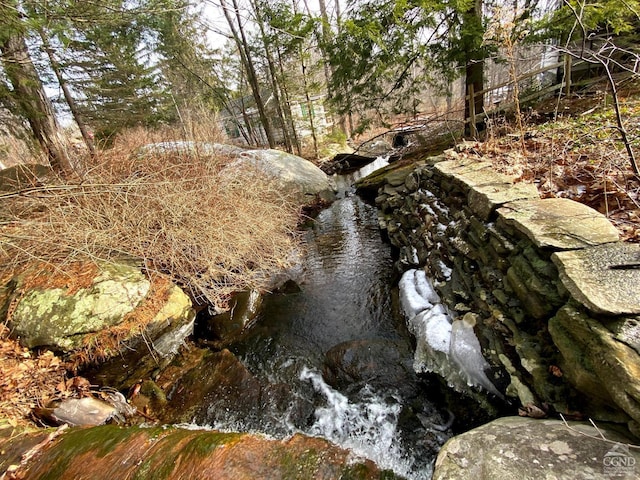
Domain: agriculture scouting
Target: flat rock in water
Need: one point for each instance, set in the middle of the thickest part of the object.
(516, 448)
(605, 279)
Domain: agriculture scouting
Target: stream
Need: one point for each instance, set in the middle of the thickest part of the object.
(338, 346)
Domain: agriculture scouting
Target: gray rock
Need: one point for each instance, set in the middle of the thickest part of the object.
(558, 223)
(75, 412)
(23, 176)
(597, 363)
(487, 189)
(596, 277)
(296, 176)
(515, 448)
(190, 149)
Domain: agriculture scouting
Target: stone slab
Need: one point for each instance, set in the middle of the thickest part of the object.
(558, 223)
(486, 188)
(598, 279)
(516, 448)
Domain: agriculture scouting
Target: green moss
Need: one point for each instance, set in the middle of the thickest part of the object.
(360, 471)
(300, 466)
(204, 443)
(161, 464)
(97, 440)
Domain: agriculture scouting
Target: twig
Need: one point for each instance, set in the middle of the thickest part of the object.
(602, 438)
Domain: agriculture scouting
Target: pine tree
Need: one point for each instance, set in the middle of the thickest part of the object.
(26, 93)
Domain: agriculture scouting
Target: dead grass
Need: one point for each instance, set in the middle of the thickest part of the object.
(214, 230)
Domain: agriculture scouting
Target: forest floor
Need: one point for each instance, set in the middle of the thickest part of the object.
(572, 149)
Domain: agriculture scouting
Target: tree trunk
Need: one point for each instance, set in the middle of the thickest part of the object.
(328, 69)
(274, 78)
(287, 106)
(243, 48)
(474, 65)
(71, 102)
(30, 97)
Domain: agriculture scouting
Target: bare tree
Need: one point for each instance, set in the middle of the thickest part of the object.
(608, 57)
(239, 37)
(272, 75)
(66, 91)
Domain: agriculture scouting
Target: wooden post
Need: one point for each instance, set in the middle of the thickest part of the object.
(567, 75)
(472, 113)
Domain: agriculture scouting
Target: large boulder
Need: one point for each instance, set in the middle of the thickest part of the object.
(105, 305)
(298, 177)
(295, 175)
(173, 453)
(516, 448)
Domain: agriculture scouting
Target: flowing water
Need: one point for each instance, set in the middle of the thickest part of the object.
(380, 411)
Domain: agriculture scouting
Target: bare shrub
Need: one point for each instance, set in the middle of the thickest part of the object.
(213, 231)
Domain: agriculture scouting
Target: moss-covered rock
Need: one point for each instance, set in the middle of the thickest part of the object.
(72, 309)
(166, 453)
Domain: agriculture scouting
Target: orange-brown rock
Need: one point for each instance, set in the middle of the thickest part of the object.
(173, 453)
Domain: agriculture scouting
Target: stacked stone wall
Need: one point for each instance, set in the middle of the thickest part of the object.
(517, 262)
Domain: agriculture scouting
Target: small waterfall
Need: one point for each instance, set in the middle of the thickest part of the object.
(345, 297)
(368, 427)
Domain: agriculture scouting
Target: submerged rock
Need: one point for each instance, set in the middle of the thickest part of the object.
(375, 362)
(207, 387)
(174, 453)
(227, 326)
(515, 448)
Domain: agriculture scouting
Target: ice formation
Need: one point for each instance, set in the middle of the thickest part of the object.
(466, 353)
(416, 293)
(445, 345)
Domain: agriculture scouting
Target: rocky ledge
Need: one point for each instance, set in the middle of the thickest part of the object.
(173, 453)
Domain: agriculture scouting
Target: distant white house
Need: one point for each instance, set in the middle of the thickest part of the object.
(242, 122)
